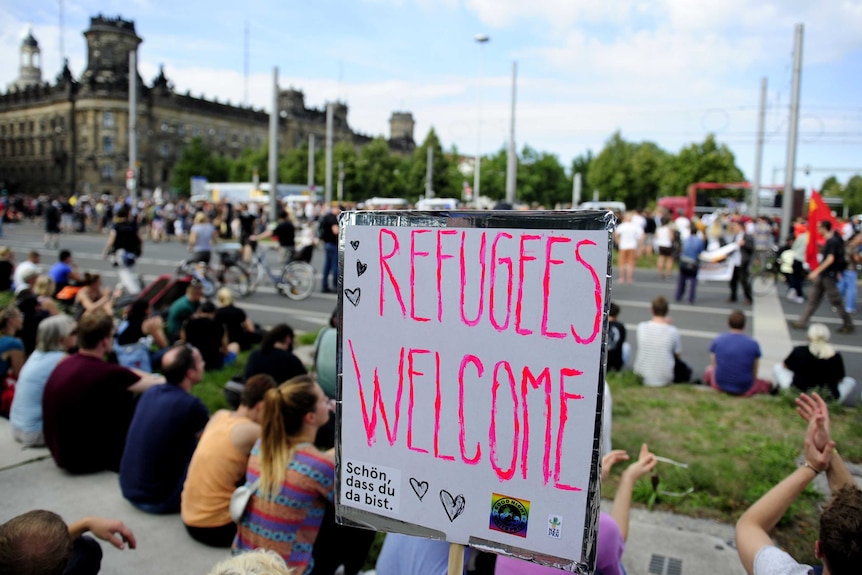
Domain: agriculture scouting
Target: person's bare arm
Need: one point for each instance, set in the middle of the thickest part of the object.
(16, 359)
(244, 436)
(623, 500)
(713, 363)
(146, 381)
(827, 261)
(113, 531)
(154, 327)
(111, 239)
(193, 237)
(754, 369)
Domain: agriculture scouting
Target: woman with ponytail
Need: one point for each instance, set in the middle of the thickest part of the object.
(817, 365)
(295, 479)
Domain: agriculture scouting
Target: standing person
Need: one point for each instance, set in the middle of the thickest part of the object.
(328, 233)
(629, 236)
(837, 544)
(284, 232)
(798, 249)
(734, 360)
(295, 479)
(219, 463)
(689, 264)
(163, 434)
(850, 275)
(659, 360)
(741, 259)
(124, 236)
(825, 277)
(664, 242)
(52, 224)
(202, 238)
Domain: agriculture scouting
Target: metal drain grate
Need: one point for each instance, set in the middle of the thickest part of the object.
(661, 565)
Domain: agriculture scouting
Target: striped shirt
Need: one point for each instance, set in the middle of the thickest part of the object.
(288, 524)
(657, 344)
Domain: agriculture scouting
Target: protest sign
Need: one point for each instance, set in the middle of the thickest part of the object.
(471, 378)
(715, 265)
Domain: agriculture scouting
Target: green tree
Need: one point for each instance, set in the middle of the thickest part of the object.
(379, 172)
(242, 169)
(581, 165)
(418, 166)
(706, 162)
(627, 172)
(542, 179)
(196, 159)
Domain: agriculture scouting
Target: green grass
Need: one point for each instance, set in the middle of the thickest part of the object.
(307, 338)
(736, 449)
(209, 390)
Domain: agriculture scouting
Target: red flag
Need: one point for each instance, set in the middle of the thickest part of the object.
(818, 211)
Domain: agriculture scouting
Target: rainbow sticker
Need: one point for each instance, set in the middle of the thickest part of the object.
(509, 515)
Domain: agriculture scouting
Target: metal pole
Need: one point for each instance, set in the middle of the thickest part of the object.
(512, 160)
(340, 182)
(576, 190)
(429, 172)
(311, 146)
(793, 127)
(477, 167)
(132, 183)
(273, 148)
(329, 122)
(758, 161)
(245, 67)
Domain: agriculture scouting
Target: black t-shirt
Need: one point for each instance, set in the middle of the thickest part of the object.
(231, 318)
(650, 226)
(131, 334)
(278, 363)
(616, 338)
(127, 237)
(285, 233)
(246, 224)
(810, 372)
(326, 224)
(206, 335)
(52, 215)
(6, 271)
(834, 246)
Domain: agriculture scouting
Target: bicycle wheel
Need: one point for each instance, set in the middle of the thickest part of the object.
(236, 279)
(297, 280)
(764, 282)
(255, 276)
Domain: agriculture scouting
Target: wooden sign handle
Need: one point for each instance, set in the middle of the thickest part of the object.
(456, 559)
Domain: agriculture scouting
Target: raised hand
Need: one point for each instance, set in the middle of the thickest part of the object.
(611, 459)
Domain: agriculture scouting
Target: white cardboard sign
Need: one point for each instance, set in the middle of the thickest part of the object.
(470, 382)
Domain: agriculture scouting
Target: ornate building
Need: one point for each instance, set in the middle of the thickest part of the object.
(71, 136)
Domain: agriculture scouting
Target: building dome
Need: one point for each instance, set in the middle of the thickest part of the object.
(29, 41)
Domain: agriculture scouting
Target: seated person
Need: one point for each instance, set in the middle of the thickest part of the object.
(219, 463)
(7, 268)
(183, 308)
(28, 303)
(613, 528)
(618, 349)
(142, 327)
(65, 271)
(259, 561)
(239, 328)
(40, 542)
(275, 356)
(203, 332)
(840, 527)
(817, 365)
(11, 354)
(44, 289)
(93, 296)
(658, 359)
(163, 434)
(55, 337)
(28, 265)
(88, 403)
(734, 359)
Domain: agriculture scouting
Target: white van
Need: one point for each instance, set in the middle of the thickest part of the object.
(612, 206)
(437, 204)
(385, 204)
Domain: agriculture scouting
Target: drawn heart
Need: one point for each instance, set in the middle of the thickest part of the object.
(360, 268)
(420, 488)
(354, 244)
(453, 506)
(353, 296)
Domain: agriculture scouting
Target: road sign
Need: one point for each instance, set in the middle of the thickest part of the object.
(130, 174)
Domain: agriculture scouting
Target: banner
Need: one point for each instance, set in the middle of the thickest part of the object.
(471, 378)
(715, 264)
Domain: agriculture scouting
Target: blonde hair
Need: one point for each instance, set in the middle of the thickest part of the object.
(818, 336)
(284, 410)
(257, 562)
(224, 297)
(44, 285)
(201, 217)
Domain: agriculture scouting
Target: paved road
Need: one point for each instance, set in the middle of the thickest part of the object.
(659, 542)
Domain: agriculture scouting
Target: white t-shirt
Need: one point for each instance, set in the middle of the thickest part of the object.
(664, 237)
(771, 560)
(657, 344)
(629, 235)
(20, 270)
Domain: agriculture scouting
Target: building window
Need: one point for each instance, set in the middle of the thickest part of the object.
(164, 150)
(108, 145)
(107, 173)
(181, 130)
(41, 147)
(165, 126)
(196, 131)
(30, 126)
(108, 120)
(3, 130)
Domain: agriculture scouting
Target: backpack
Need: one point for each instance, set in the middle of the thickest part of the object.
(134, 355)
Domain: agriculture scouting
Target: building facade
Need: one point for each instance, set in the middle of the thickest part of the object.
(71, 136)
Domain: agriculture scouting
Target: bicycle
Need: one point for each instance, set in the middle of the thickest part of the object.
(767, 276)
(296, 280)
(228, 272)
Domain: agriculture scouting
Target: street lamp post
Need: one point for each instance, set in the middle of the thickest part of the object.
(482, 39)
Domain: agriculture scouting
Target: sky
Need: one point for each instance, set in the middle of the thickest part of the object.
(665, 71)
